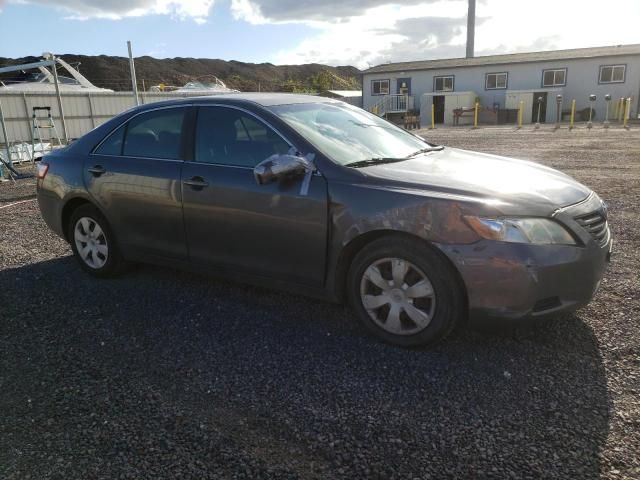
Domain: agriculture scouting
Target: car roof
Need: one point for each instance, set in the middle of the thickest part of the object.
(262, 99)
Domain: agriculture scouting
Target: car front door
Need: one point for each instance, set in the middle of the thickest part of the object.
(274, 230)
(134, 177)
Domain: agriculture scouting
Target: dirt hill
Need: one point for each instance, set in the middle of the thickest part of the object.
(113, 72)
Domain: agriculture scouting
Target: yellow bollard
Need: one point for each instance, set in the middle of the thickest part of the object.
(475, 116)
(627, 108)
(433, 116)
(520, 113)
(622, 108)
(616, 108)
(573, 114)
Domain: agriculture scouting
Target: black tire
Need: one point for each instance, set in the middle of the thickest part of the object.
(450, 298)
(114, 262)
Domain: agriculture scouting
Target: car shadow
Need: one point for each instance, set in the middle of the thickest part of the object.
(158, 358)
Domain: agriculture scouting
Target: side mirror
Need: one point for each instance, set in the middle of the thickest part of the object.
(280, 166)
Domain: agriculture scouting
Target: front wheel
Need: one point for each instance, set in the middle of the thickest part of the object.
(404, 292)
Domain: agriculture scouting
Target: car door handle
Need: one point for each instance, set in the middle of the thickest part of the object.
(97, 170)
(196, 182)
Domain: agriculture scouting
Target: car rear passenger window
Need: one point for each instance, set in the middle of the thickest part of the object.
(113, 144)
(227, 136)
(156, 134)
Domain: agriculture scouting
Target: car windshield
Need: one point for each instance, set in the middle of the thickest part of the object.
(348, 134)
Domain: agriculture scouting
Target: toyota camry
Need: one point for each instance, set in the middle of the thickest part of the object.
(322, 198)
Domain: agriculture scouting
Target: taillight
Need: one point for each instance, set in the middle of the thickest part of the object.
(43, 168)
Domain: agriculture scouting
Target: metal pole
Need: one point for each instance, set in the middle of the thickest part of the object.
(60, 109)
(471, 28)
(6, 141)
(433, 116)
(607, 99)
(132, 67)
(93, 118)
(475, 116)
(520, 110)
(627, 108)
(537, 125)
(592, 98)
(29, 123)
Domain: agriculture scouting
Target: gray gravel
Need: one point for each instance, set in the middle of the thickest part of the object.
(164, 374)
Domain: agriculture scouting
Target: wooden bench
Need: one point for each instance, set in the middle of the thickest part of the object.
(411, 122)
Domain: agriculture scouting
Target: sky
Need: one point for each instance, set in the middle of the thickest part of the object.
(362, 33)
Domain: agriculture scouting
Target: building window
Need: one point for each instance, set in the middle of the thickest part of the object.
(380, 87)
(496, 81)
(443, 84)
(612, 73)
(554, 78)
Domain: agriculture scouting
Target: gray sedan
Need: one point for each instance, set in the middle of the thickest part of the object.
(322, 198)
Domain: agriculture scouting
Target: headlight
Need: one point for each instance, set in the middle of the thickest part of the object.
(539, 231)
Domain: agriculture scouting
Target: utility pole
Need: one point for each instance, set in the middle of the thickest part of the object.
(132, 67)
(52, 57)
(471, 28)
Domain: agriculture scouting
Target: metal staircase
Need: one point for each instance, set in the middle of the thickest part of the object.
(400, 103)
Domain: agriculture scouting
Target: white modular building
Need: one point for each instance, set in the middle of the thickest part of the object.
(501, 82)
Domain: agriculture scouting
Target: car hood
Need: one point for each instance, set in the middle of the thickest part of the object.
(506, 181)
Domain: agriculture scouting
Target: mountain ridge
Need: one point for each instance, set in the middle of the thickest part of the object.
(113, 72)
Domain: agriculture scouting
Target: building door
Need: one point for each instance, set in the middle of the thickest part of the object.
(538, 105)
(438, 104)
(403, 86)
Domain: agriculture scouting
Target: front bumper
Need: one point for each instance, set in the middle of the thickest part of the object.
(509, 281)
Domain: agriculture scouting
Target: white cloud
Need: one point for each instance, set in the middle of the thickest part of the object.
(198, 10)
(548, 24)
(369, 32)
(384, 34)
(260, 11)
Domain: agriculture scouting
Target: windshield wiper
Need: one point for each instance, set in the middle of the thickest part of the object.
(373, 161)
(437, 148)
(380, 160)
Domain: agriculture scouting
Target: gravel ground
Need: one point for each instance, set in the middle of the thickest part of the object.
(163, 374)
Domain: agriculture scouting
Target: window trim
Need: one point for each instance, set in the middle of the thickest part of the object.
(545, 70)
(186, 127)
(381, 80)
(506, 83)
(194, 138)
(107, 137)
(453, 83)
(624, 73)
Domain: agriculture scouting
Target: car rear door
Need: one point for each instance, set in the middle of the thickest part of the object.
(134, 177)
(274, 230)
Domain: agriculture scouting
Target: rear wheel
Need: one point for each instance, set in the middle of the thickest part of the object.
(404, 292)
(93, 243)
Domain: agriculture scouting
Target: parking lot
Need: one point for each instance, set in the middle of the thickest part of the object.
(166, 374)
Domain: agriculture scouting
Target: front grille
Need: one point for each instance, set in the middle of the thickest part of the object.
(596, 224)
